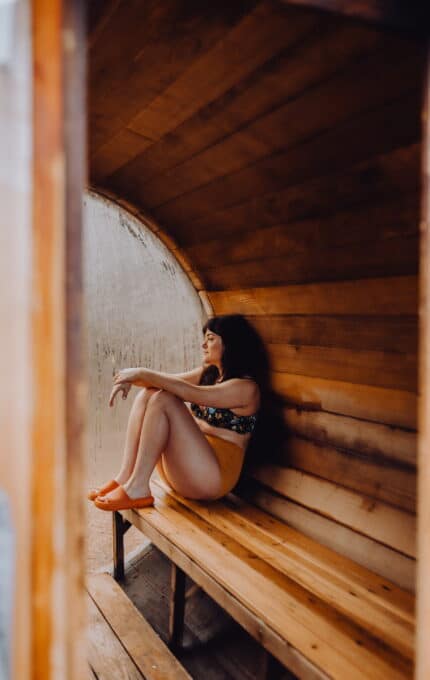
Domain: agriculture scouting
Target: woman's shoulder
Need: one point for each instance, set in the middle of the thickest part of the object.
(242, 378)
(251, 385)
(250, 379)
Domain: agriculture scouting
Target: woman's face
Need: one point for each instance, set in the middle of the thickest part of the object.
(212, 348)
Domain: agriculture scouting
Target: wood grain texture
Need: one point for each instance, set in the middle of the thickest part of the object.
(383, 369)
(393, 257)
(379, 333)
(366, 402)
(283, 78)
(206, 545)
(263, 89)
(281, 156)
(260, 35)
(363, 550)
(106, 655)
(375, 442)
(337, 581)
(382, 177)
(390, 218)
(377, 479)
(266, 636)
(323, 107)
(380, 521)
(373, 133)
(76, 389)
(385, 295)
(57, 437)
(147, 652)
(48, 322)
(142, 49)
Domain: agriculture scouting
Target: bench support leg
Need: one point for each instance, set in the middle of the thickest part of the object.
(119, 528)
(177, 608)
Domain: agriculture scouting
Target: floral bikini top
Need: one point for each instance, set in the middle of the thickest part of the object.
(224, 417)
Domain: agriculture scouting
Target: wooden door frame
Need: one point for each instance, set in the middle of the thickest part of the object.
(58, 506)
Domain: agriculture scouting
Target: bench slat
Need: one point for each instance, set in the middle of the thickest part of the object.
(148, 651)
(332, 583)
(386, 524)
(266, 636)
(327, 638)
(376, 587)
(353, 545)
(106, 655)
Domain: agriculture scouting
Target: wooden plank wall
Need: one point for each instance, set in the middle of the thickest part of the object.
(328, 275)
(281, 151)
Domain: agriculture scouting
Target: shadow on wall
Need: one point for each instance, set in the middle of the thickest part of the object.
(269, 442)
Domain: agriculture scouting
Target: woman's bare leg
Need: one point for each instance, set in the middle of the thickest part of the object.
(169, 429)
(134, 429)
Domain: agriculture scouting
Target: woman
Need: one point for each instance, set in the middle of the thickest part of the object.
(199, 451)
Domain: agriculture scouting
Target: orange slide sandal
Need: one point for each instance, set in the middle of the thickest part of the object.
(122, 501)
(100, 490)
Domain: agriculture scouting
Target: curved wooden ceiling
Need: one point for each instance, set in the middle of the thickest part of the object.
(250, 130)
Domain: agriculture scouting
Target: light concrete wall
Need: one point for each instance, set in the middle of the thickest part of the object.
(16, 395)
(141, 310)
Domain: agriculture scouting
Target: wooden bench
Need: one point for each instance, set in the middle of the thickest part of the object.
(122, 645)
(320, 613)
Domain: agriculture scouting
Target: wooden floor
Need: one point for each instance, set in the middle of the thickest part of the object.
(215, 647)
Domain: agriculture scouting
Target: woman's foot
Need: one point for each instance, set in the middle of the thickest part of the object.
(118, 499)
(132, 490)
(100, 490)
(120, 480)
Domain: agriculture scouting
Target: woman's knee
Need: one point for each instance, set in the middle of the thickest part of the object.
(164, 399)
(144, 395)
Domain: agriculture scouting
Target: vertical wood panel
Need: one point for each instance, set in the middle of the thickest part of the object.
(48, 337)
(74, 95)
(423, 583)
(57, 554)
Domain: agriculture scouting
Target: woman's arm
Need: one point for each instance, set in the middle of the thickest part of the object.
(234, 393)
(192, 377)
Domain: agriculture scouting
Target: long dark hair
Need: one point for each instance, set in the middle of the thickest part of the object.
(245, 355)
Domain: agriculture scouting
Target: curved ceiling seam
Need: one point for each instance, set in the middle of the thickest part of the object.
(170, 243)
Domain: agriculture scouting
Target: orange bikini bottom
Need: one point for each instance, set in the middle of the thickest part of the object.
(230, 459)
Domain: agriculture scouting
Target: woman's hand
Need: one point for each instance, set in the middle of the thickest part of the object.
(130, 375)
(124, 379)
(120, 387)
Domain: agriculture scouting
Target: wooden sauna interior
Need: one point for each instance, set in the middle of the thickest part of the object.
(276, 149)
